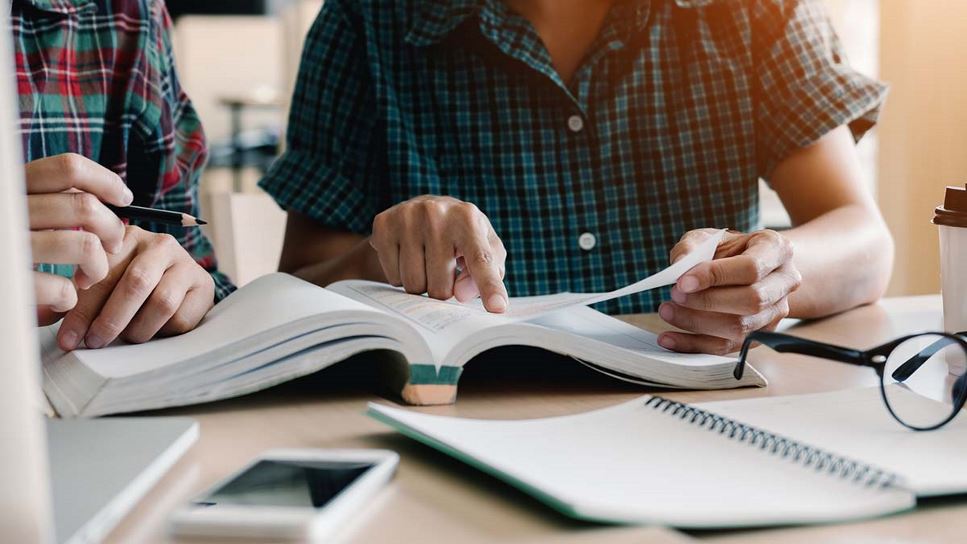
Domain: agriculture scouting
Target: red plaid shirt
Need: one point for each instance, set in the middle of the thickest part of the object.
(97, 78)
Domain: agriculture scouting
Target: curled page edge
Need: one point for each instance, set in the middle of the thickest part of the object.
(667, 276)
(704, 252)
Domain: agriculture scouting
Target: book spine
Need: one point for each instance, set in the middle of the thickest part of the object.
(428, 385)
(778, 445)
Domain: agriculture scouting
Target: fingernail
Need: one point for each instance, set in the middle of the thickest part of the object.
(666, 342)
(666, 312)
(497, 303)
(70, 340)
(128, 197)
(81, 282)
(93, 341)
(678, 296)
(689, 284)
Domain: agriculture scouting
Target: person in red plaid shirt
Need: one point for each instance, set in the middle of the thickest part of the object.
(104, 120)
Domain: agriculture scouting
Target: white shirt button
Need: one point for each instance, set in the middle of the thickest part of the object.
(575, 123)
(587, 241)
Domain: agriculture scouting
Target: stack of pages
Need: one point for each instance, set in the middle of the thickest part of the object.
(278, 328)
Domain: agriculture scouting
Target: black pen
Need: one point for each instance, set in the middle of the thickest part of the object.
(165, 217)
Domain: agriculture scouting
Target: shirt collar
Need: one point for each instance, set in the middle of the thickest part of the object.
(62, 7)
(435, 19)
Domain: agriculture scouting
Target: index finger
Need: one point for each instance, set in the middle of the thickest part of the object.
(481, 258)
(129, 295)
(761, 256)
(71, 171)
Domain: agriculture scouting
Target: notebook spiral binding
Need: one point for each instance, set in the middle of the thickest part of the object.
(807, 456)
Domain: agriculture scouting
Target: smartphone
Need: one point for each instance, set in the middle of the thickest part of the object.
(298, 494)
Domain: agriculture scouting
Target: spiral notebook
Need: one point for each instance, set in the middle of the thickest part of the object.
(855, 422)
(657, 461)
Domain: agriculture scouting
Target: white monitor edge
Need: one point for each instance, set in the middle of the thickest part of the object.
(25, 496)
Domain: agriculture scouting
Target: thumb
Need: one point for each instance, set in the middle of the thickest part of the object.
(689, 241)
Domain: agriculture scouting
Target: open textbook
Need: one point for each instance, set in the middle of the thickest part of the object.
(278, 328)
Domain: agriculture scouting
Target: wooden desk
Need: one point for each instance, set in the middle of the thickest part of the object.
(437, 499)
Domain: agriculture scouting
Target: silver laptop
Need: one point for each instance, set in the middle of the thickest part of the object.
(75, 479)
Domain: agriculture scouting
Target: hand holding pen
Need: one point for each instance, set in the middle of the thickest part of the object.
(128, 282)
(70, 224)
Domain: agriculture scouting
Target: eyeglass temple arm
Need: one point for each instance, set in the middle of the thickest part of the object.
(914, 363)
(784, 343)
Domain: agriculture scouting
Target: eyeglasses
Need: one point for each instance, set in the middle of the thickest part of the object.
(929, 364)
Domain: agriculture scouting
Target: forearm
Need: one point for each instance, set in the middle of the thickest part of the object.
(845, 257)
(360, 262)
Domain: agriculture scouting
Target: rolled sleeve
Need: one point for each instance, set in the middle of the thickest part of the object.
(333, 168)
(804, 86)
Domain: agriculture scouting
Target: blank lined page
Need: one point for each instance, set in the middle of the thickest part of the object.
(855, 422)
(633, 463)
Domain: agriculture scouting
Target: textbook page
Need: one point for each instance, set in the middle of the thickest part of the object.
(441, 323)
(269, 302)
(436, 318)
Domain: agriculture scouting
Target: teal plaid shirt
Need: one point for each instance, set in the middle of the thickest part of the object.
(676, 112)
(97, 78)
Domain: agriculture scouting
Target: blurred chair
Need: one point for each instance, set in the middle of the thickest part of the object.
(253, 148)
(224, 60)
(250, 229)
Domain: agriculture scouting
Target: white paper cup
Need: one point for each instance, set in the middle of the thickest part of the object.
(951, 219)
(953, 277)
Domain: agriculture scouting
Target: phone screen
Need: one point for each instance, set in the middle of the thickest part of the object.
(307, 484)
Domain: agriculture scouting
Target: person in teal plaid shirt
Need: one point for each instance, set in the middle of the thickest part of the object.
(498, 148)
(104, 120)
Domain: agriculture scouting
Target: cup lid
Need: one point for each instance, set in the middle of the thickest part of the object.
(954, 210)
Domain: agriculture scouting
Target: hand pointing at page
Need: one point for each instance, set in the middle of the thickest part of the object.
(745, 288)
(424, 241)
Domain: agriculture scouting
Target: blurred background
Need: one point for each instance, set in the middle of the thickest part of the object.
(238, 61)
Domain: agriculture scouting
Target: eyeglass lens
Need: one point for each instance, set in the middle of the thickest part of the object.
(928, 365)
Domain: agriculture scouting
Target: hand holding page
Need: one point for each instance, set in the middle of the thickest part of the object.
(439, 315)
(527, 308)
